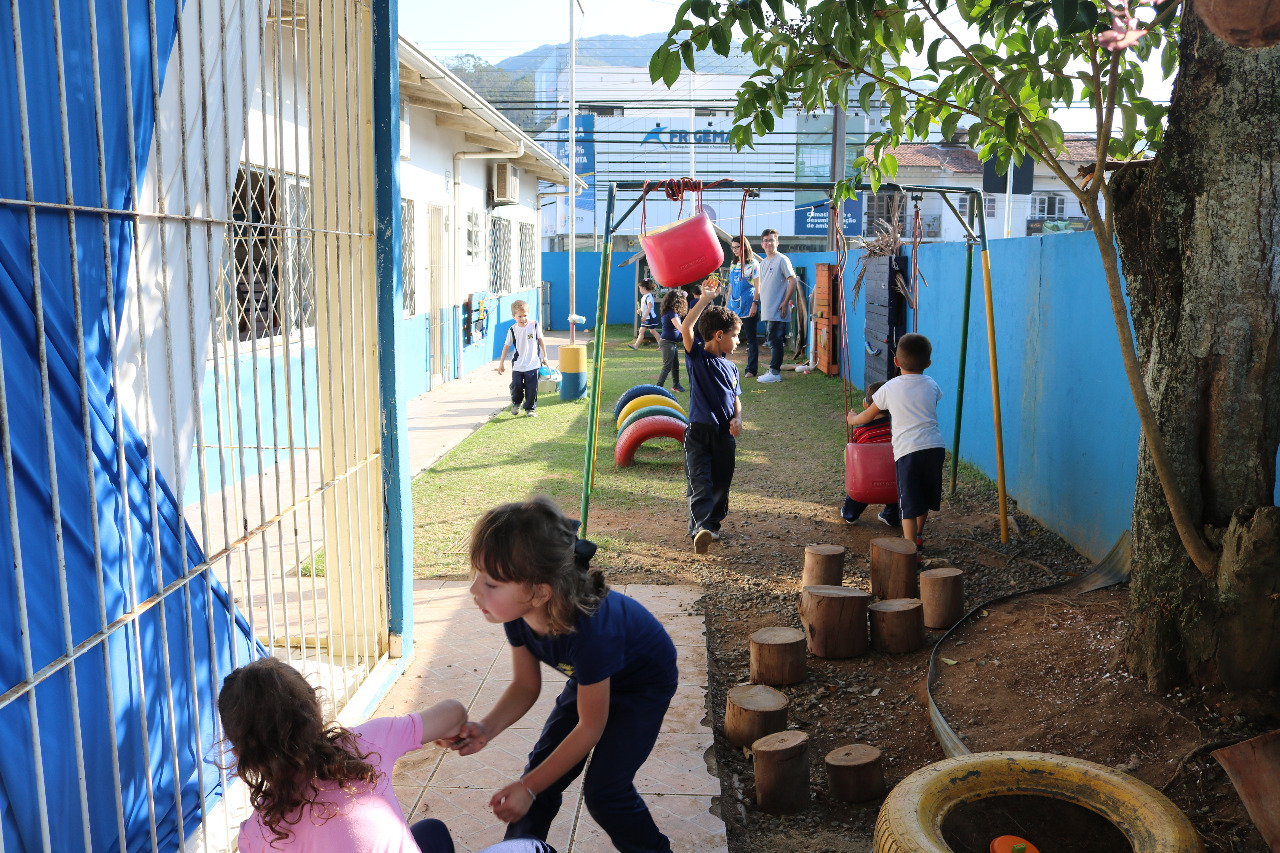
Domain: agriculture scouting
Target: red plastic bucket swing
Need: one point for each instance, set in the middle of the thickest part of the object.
(683, 252)
(869, 475)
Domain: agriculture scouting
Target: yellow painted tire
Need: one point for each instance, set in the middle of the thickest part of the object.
(910, 820)
(647, 400)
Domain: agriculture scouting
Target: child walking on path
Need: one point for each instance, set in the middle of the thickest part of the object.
(533, 576)
(710, 336)
(317, 787)
(528, 353)
(918, 448)
(649, 321)
(674, 307)
(877, 431)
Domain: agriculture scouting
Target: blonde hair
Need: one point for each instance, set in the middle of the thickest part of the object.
(533, 542)
(519, 305)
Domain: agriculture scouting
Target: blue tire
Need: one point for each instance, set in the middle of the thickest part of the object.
(638, 391)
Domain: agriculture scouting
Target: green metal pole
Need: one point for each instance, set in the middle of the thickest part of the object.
(597, 372)
(964, 343)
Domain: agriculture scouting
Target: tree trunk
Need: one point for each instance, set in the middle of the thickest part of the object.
(1199, 237)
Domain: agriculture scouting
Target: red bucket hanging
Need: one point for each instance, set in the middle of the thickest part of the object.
(683, 252)
(869, 474)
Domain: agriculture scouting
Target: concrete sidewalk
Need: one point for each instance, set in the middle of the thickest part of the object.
(458, 655)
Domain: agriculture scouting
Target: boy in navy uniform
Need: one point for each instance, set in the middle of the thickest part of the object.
(528, 354)
(710, 335)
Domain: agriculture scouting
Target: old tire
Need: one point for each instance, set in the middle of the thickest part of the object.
(910, 820)
(638, 391)
(647, 400)
(648, 412)
(624, 454)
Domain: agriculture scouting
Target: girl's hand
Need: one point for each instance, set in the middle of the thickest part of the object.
(512, 802)
(471, 738)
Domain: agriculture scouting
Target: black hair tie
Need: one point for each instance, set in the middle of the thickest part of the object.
(583, 551)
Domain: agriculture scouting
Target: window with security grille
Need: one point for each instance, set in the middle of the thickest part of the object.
(881, 207)
(499, 255)
(528, 257)
(1049, 206)
(408, 261)
(475, 236)
(296, 253)
(989, 203)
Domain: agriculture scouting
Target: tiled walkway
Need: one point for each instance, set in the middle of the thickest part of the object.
(457, 654)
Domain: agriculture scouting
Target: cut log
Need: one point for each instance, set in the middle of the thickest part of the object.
(777, 656)
(781, 762)
(823, 565)
(942, 591)
(855, 774)
(753, 711)
(835, 620)
(893, 568)
(897, 625)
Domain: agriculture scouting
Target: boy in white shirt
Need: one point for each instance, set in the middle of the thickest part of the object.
(918, 449)
(528, 353)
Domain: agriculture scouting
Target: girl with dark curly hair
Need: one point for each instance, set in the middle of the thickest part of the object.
(317, 786)
(533, 576)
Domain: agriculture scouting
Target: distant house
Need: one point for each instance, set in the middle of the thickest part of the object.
(1049, 208)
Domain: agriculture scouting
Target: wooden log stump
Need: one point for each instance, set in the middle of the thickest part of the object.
(781, 762)
(823, 565)
(777, 656)
(854, 773)
(893, 568)
(897, 625)
(835, 620)
(942, 591)
(753, 711)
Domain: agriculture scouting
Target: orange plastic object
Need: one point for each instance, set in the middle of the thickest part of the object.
(1012, 844)
(869, 475)
(683, 252)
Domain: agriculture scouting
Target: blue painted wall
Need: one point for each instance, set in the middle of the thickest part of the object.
(1070, 428)
(480, 353)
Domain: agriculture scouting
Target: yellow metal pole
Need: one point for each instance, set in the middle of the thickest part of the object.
(995, 389)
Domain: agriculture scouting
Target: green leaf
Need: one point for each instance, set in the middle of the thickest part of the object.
(686, 51)
(864, 97)
(1051, 132)
(658, 62)
(768, 122)
(671, 69)
(836, 92)
(889, 164)
(778, 8)
(1169, 58)
(701, 36)
(1130, 123)
(1011, 128)
(1065, 12)
(1086, 17)
(949, 125)
(757, 13)
(701, 8)
(932, 56)
(920, 124)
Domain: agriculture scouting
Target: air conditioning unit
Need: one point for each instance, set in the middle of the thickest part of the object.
(506, 183)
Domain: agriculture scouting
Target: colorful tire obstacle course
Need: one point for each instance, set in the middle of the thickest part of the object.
(642, 413)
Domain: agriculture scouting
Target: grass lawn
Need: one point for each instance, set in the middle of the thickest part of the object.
(786, 427)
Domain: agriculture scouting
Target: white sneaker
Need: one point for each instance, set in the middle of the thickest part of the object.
(769, 377)
(515, 410)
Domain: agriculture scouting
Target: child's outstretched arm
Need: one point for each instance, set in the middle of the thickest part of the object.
(443, 720)
(502, 359)
(515, 702)
(512, 802)
(870, 413)
(709, 291)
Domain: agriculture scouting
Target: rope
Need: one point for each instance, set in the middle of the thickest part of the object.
(846, 365)
(913, 290)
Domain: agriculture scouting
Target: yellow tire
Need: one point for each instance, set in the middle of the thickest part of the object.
(647, 400)
(910, 820)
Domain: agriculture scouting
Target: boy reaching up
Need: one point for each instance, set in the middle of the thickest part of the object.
(918, 449)
(710, 335)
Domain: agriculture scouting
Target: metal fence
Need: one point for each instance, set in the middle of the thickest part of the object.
(236, 383)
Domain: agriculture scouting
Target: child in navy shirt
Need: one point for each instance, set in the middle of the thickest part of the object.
(533, 576)
(674, 307)
(715, 413)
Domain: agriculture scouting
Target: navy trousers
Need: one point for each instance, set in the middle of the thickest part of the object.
(432, 836)
(524, 388)
(608, 789)
(709, 458)
(777, 344)
(751, 338)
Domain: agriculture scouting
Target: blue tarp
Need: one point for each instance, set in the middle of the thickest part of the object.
(130, 537)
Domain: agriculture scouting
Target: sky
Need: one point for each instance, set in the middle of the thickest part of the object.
(511, 27)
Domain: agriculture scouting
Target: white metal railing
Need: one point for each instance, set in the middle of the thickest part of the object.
(243, 356)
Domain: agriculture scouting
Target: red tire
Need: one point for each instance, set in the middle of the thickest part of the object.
(658, 426)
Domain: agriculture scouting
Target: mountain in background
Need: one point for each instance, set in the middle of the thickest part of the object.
(509, 84)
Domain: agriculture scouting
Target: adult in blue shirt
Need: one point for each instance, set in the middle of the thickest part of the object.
(743, 274)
